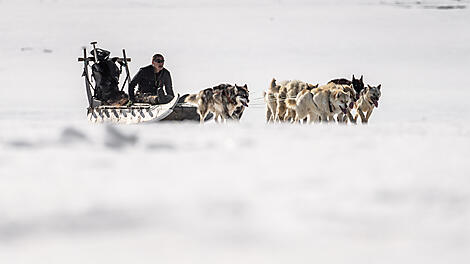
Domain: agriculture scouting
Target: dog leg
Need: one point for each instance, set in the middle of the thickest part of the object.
(315, 118)
(340, 118)
(345, 118)
(351, 118)
(276, 116)
(202, 111)
(202, 117)
(363, 118)
(290, 116)
(308, 119)
(331, 119)
(271, 114)
(368, 114)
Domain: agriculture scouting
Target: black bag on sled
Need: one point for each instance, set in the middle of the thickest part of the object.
(106, 76)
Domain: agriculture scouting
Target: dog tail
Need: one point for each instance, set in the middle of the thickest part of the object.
(191, 99)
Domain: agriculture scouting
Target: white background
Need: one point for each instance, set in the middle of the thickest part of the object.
(394, 191)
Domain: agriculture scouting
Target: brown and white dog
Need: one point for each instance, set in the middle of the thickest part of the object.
(225, 101)
(368, 99)
(293, 89)
(270, 97)
(321, 103)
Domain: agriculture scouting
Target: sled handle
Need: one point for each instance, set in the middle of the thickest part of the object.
(93, 59)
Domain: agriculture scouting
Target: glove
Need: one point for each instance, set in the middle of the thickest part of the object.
(130, 103)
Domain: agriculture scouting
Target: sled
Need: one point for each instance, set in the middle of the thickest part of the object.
(134, 114)
(175, 110)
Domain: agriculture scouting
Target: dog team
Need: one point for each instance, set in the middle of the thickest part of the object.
(297, 101)
(293, 101)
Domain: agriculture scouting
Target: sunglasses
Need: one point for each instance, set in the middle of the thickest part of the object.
(159, 60)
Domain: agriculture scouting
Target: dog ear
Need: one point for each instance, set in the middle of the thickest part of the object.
(362, 78)
(353, 77)
(246, 86)
(273, 83)
(378, 87)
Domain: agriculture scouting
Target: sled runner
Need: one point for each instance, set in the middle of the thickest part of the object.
(134, 114)
(99, 112)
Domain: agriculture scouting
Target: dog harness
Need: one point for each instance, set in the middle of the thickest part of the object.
(329, 102)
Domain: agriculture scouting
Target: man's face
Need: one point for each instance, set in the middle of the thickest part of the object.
(158, 63)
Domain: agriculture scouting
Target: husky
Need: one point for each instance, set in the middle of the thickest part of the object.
(368, 99)
(344, 117)
(288, 90)
(204, 101)
(270, 97)
(223, 101)
(242, 99)
(236, 98)
(293, 89)
(357, 84)
(322, 102)
(275, 101)
(281, 107)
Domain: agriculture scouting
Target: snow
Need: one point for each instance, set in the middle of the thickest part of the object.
(394, 191)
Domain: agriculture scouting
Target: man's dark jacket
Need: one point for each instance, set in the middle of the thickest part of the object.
(152, 83)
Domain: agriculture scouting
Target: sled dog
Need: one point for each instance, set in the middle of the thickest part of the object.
(242, 99)
(270, 97)
(275, 98)
(368, 99)
(357, 84)
(343, 117)
(222, 100)
(293, 89)
(204, 101)
(236, 99)
(281, 97)
(324, 102)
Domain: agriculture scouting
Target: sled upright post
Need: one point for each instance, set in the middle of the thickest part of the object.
(128, 77)
(94, 51)
(87, 81)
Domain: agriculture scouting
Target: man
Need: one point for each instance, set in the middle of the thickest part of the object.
(106, 76)
(151, 80)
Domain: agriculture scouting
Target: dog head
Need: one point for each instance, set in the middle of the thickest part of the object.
(342, 100)
(373, 94)
(352, 95)
(243, 92)
(242, 95)
(358, 85)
